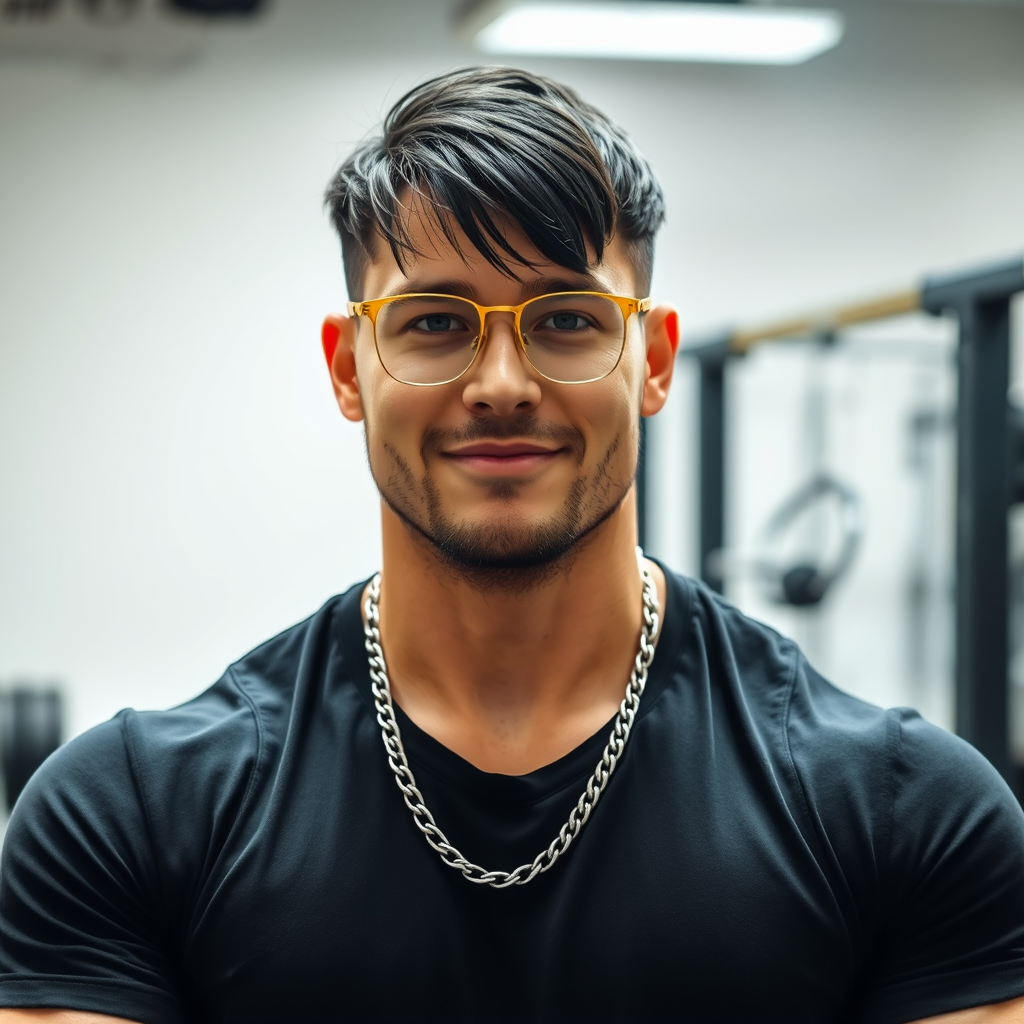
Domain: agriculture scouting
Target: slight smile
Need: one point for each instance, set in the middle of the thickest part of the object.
(494, 458)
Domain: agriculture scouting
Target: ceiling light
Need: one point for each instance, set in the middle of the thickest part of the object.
(655, 30)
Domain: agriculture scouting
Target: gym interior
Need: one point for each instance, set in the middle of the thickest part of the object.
(843, 452)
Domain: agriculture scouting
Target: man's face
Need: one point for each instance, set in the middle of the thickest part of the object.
(502, 468)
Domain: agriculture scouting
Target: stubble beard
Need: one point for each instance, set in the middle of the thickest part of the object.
(509, 553)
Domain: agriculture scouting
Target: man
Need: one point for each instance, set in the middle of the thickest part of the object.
(391, 811)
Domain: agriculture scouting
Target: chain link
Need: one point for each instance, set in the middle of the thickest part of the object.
(406, 781)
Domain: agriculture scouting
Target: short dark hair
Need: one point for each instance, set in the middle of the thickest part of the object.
(482, 142)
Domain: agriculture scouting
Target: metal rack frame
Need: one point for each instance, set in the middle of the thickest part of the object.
(980, 300)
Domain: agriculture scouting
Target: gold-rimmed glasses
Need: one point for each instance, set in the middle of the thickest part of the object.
(569, 337)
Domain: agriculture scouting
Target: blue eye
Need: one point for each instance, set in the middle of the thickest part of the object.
(565, 322)
(438, 323)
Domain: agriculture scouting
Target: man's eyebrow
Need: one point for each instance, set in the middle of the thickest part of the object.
(544, 285)
(530, 290)
(449, 287)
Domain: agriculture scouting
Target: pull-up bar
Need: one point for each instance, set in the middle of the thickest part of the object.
(882, 308)
(980, 300)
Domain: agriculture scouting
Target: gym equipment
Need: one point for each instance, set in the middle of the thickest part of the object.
(807, 582)
(928, 583)
(987, 444)
(219, 8)
(804, 582)
(1016, 428)
(31, 727)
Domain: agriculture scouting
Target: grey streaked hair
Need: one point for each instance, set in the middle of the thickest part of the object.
(478, 144)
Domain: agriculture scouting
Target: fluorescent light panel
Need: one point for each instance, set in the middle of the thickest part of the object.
(661, 30)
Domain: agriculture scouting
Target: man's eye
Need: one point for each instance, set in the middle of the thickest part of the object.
(564, 322)
(438, 323)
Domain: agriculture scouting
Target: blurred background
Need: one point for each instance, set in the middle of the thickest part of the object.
(176, 484)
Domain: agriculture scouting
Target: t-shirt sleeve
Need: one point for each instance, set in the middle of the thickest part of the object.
(80, 895)
(952, 935)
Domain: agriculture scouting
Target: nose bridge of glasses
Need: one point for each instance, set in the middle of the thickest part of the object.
(487, 320)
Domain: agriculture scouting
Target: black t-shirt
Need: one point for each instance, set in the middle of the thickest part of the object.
(769, 849)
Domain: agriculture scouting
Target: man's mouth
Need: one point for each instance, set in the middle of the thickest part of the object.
(498, 458)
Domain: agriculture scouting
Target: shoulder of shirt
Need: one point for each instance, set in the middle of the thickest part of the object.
(851, 759)
(769, 665)
(261, 676)
(739, 653)
(261, 680)
(170, 758)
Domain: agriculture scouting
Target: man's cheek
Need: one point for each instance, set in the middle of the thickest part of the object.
(395, 436)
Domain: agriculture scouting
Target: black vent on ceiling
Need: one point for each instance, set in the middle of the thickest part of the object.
(218, 8)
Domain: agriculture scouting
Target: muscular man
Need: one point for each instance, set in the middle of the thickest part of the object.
(523, 775)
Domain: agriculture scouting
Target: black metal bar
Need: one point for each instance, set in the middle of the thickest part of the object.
(711, 360)
(981, 302)
(642, 489)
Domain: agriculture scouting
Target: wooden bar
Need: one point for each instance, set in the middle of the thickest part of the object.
(896, 304)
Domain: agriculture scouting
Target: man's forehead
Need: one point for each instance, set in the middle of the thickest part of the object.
(454, 266)
(480, 288)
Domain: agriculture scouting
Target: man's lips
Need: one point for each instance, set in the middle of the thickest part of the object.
(501, 450)
(498, 458)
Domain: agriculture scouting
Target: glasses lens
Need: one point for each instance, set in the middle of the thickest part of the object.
(573, 337)
(427, 339)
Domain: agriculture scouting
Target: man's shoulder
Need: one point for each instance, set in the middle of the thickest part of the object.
(313, 646)
(223, 733)
(852, 759)
(774, 675)
(734, 643)
(254, 698)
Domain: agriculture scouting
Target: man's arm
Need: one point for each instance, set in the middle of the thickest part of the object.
(945, 889)
(57, 1017)
(1010, 1012)
(81, 924)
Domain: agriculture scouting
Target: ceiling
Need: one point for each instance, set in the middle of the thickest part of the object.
(152, 38)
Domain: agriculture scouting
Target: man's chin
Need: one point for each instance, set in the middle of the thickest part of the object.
(507, 553)
(510, 548)
(497, 548)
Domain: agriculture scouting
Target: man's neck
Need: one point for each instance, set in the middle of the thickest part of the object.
(512, 680)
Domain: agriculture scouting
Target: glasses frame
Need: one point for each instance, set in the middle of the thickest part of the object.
(370, 308)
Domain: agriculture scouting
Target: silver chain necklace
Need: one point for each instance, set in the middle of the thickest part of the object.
(381, 686)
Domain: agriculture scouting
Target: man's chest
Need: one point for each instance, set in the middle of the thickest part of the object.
(652, 913)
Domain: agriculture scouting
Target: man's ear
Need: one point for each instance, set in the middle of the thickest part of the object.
(661, 326)
(338, 336)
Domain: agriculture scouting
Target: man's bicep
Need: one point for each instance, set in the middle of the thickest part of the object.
(57, 1017)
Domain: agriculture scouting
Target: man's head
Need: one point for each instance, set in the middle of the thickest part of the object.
(497, 185)
(490, 144)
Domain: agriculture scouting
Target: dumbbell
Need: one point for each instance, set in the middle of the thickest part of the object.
(31, 724)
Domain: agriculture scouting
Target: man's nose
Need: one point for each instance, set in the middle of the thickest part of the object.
(501, 380)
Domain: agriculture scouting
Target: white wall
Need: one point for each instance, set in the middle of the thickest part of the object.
(175, 483)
